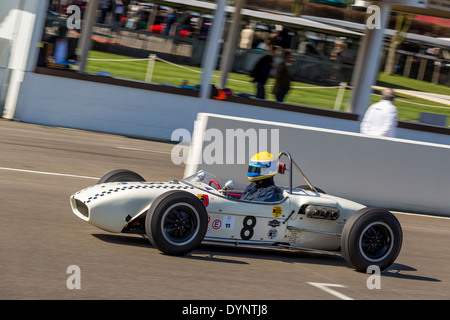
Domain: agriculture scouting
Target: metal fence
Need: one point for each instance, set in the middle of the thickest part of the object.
(304, 68)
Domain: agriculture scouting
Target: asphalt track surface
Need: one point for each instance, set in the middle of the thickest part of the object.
(40, 167)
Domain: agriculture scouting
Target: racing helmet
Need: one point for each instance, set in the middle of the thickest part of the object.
(262, 165)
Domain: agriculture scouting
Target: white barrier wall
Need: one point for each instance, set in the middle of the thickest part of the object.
(67, 102)
(91, 105)
(389, 173)
(21, 26)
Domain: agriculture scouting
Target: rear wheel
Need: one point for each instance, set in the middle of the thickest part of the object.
(371, 237)
(176, 223)
(121, 175)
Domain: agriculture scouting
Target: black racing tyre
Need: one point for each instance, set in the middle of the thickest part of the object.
(371, 237)
(176, 222)
(121, 175)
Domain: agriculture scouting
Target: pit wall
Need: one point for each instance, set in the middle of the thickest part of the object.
(92, 102)
(390, 173)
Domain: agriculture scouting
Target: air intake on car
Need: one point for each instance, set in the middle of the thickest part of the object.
(82, 208)
(322, 212)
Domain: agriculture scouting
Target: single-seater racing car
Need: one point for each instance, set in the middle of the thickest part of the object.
(177, 216)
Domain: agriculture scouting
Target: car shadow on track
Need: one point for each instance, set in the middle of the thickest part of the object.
(274, 254)
(236, 255)
(233, 254)
(400, 271)
(142, 241)
(130, 240)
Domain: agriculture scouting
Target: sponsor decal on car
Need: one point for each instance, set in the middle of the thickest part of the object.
(216, 224)
(277, 211)
(272, 234)
(228, 222)
(204, 199)
(274, 223)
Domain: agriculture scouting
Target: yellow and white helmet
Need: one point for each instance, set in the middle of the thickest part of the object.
(262, 165)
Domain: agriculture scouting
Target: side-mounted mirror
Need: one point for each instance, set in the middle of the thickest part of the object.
(229, 185)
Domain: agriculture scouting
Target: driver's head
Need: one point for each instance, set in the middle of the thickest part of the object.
(262, 165)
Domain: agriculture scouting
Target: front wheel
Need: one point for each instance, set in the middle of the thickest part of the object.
(176, 223)
(371, 237)
(121, 175)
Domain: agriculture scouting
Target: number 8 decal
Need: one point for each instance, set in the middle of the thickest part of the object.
(247, 231)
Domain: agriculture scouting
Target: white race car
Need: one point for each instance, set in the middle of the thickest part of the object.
(177, 216)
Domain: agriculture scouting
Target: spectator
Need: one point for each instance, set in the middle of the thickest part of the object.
(283, 77)
(302, 46)
(60, 49)
(336, 57)
(246, 37)
(285, 42)
(105, 6)
(168, 21)
(261, 72)
(204, 29)
(381, 118)
(118, 12)
(337, 52)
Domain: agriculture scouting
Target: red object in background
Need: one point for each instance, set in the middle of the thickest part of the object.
(185, 33)
(442, 21)
(220, 95)
(157, 29)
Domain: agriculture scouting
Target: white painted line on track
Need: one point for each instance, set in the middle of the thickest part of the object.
(48, 173)
(421, 215)
(146, 150)
(325, 287)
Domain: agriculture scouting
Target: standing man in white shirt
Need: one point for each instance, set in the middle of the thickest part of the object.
(381, 117)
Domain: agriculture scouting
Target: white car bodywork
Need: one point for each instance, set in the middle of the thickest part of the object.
(114, 206)
(177, 216)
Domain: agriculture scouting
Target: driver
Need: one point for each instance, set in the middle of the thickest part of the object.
(262, 168)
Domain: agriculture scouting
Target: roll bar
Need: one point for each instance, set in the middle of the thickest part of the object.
(292, 162)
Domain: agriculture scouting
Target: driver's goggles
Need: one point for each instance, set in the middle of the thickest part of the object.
(255, 167)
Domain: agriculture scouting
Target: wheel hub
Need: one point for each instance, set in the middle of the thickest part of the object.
(376, 241)
(179, 224)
